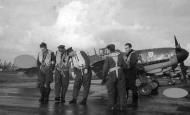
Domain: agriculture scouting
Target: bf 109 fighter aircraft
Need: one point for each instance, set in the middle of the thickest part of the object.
(152, 63)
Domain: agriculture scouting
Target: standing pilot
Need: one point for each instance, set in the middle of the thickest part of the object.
(80, 63)
(61, 74)
(131, 73)
(45, 62)
(115, 78)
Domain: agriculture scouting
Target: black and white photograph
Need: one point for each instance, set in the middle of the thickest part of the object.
(94, 57)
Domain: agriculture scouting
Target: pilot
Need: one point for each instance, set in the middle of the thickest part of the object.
(61, 74)
(80, 63)
(45, 63)
(131, 73)
(114, 78)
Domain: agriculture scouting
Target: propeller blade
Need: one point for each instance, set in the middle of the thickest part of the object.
(183, 72)
(177, 45)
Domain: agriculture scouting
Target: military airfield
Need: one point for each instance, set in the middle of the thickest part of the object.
(19, 96)
(19, 92)
(160, 63)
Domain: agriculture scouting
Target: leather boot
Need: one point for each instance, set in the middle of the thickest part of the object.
(57, 98)
(62, 99)
(47, 92)
(135, 100)
(73, 101)
(113, 108)
(83, 102)
(122, 108)
(42, 92)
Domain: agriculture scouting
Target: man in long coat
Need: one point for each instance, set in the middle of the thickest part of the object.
(115, 78)
(131, 72)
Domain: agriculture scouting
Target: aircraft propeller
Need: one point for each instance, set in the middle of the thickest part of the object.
(181, 56)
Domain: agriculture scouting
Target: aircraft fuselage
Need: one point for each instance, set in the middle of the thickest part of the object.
(155, 60)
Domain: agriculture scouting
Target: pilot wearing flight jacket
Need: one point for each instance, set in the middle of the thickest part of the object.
(46, 63)
(131, 73)
(115, 78)
(80, 63)
(61, 74)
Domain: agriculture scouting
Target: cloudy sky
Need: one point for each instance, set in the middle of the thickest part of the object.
(88, 24)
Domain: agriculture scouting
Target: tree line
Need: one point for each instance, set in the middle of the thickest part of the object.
(6, 66)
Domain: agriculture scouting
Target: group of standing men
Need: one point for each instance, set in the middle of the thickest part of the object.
(58, 65)
(119, 74)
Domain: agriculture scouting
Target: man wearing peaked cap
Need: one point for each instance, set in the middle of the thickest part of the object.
(61, 74)
(61, 47)
(110, 46)
(114, 78)
(69, 50)
(80, 63)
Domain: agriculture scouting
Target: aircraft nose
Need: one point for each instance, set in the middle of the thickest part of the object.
(182, 54)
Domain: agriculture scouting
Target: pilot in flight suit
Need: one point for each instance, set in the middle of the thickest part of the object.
(80, 63)
(45, 62)
(61, 74)
(131, 73)
(115, 78)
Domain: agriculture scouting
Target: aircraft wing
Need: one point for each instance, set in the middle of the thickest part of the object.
(98, 68)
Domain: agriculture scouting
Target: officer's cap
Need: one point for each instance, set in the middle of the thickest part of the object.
(69, 50)
(111, 47)
(61, 46)
(43, 44)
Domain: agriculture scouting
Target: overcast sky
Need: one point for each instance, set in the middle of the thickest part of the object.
(88, 24)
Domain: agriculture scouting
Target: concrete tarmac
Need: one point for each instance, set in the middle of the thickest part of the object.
(22, 99)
